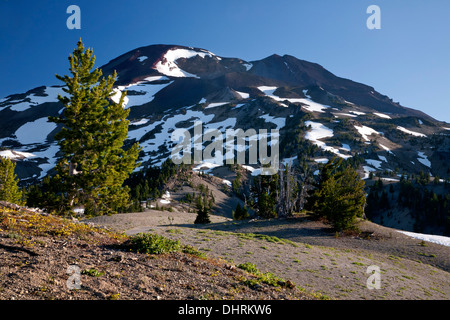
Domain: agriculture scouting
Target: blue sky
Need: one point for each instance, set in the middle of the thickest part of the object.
(408, 59)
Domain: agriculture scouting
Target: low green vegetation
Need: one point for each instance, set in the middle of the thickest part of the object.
(92, 272)
(267, 278)
(155, 244)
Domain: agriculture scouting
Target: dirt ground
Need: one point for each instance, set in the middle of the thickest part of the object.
(45, 257)
(310, 254)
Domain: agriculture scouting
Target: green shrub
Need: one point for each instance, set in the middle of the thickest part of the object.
(153, 244)
(249, 267)
(92, 272)
(267, 278)
(192, 250)
(156, 244)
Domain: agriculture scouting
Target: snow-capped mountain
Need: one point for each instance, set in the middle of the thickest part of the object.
(170, 86)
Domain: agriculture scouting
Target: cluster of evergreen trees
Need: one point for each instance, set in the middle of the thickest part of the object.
(148, 183)
(337, 197)
(418, 195)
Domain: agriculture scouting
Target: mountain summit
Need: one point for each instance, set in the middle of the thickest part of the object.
(169, 86)
(280, 71)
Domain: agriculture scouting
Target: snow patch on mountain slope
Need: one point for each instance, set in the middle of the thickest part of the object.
(50, 155)
(374, 163)
(165, 198)
(268, 91)
(21, 106)
(221, 125)
(139, 133)
(168, 66)
(365, 132)
(247, 66)
(279, 122)
(416, 134)
(14, 155)
(345, 147)
(322, 160)
(227, 182)
(243, 95)
(367, 171)
(35, 131)
(138, 93)
(423, 159)
(50, 95)
(386, 149)
(382, 115)
(309, 105)
(205, 167)
(442, 240)
(319, 131)
(167, 124)
(117, 95)
(239, 105)
(139, 122)
(358, 113)
(344, 115)
(305, 92)
(216, 104)
(156, 78)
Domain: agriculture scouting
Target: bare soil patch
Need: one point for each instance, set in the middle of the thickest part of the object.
(310, 254)
(36, 251)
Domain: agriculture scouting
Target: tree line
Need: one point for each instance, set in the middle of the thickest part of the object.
(428, 202)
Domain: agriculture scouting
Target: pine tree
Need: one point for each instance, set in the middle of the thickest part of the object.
(47, 194)
(240, 213)
(314, 199)
(203, 210)
(93, 165)
(264, 191)
(340, 196)
(9, 190)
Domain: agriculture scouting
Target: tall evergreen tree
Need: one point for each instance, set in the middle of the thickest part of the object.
(240, 213)
(93, 165)
(339, 196)
(9, 190)
(203, 210)
(264, 192)
(314, 199)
